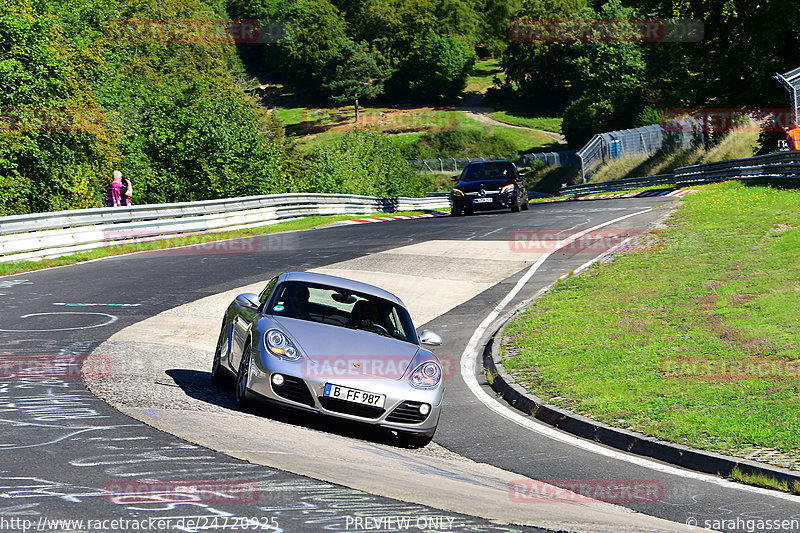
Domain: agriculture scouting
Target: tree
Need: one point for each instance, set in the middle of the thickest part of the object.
(314, 33)
(354, 73)
(439, 66)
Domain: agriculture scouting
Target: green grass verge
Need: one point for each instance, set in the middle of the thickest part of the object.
(761, 480)
(518, 118)
(692, 336)
(15, 267)
(482, 76)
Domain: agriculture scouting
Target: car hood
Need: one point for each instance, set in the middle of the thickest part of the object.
(489, 184)
(333, 348)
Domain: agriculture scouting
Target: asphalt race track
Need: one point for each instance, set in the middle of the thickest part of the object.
(68, 455)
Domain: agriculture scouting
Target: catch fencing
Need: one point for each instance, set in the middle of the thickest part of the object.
(565, 158)
(601, 148)
(605, 147)
(44, 235)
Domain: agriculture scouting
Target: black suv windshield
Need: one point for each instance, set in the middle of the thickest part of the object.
(488, 171)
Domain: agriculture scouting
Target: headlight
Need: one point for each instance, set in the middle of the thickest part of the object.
(426, 376)
(280, 346)
(457, 192)
(507, 189)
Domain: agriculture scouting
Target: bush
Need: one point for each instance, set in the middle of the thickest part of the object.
(438, 67)
(585, 117)
(364, 162)
(459, 142)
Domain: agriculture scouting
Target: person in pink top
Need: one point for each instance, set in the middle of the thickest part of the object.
(118, 193)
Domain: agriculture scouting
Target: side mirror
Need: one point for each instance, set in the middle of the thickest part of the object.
(454, 179)
(430, 338)
(248, 299)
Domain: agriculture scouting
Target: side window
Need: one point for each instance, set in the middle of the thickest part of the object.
(264, 296)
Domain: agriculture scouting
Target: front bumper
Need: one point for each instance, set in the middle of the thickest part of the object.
(475, 203)
(400, 411)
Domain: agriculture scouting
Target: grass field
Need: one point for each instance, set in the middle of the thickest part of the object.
(528, 120)
(692, 335)
(314, 127)
(483, 74)
(314, 124)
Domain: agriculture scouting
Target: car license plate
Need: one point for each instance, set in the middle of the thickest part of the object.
(354, 395)
(481, 200)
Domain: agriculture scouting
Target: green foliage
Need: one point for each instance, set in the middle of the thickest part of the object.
(584, 117)
(439, 66)
(170, 115)
(354, 73)
(460, 142)
(364, 162)
(496, 19)
(599, 82)
(56, 143)
(314, 33)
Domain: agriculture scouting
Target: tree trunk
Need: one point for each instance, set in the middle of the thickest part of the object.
(357, 112)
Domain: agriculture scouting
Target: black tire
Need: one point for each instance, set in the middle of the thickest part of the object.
(218, 374)
(468, 212)
(414, 440)
(526, 204)
(456, 212)
(515, 206)
(242, 378)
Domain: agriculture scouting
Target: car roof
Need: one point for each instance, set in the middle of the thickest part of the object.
(342, 283)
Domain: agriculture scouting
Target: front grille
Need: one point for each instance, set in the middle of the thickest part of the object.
(293, 389)
(407, 413)
(488, 193)
(349, 408)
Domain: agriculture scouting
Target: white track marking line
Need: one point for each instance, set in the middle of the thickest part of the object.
(468, 365)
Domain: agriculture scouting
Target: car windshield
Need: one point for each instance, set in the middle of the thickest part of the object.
(338, 307)
(486, 171)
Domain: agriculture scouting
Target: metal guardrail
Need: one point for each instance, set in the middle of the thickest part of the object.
(778, 165)
(44, 235)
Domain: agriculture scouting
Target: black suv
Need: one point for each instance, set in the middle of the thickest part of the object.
(488, 185)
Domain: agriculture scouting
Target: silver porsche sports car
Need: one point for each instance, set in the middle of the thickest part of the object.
(334, 346)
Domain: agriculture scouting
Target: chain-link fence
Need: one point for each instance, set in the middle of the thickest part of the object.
(565, 158)
(605, 147)
(791, 80)
(602, 148)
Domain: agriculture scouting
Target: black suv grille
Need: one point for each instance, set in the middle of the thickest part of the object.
(407, 413)
(293, 389)
(349, 408)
